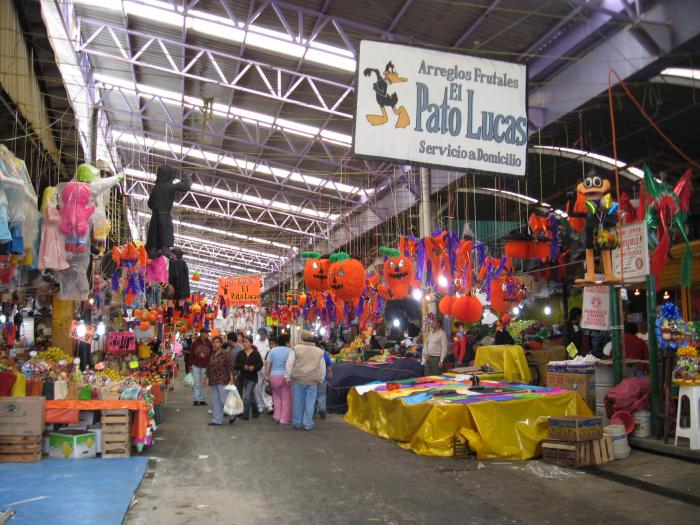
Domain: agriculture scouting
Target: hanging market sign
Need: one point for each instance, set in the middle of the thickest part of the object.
(634, 242)
(121, 343)
(440, 108)
(241, 291)
(89, 333)
(596, 308)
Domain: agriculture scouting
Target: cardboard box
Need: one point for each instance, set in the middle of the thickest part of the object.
(575, 428)
(584, 384)
(72, 444)
(22, 416)
(539, 359)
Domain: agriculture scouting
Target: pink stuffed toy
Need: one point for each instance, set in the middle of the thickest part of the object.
(75, 212)
(157, 271)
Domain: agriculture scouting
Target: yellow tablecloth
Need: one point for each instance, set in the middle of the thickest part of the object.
(510, 359)
(493, 429)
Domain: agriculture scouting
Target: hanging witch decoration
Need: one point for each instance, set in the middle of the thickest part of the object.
(600, 221)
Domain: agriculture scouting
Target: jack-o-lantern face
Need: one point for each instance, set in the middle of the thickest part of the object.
(398, 271)
(398, 274)
(347, 278)
(316, 274)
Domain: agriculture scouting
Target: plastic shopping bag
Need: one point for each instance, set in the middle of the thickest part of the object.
(234, 403)
(189, 380)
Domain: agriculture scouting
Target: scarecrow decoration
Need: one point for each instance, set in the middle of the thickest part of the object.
(600, 221)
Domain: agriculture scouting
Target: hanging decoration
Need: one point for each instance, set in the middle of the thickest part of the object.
(666, 213)
(600, 219)
(468, 309)
(398, 274)
(346, 277)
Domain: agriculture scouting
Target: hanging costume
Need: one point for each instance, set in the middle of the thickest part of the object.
(178, 274)
(160, 229)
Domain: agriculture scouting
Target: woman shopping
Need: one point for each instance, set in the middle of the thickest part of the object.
(281, 388)
(219, 374)
(248, 363)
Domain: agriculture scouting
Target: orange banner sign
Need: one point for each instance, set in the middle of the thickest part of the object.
(241, 291)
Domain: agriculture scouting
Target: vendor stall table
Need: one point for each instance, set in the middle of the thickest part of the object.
(502, 420)
(347, 375)
(67, 411)
(510, 359)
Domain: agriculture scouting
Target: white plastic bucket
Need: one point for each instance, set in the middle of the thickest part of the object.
(642, 423)
(621, 448)
(600, 412)
(601, 390)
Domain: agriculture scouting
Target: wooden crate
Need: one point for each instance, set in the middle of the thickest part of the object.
(603, 450)
(20, 449)
(116, 448)
(570, 454)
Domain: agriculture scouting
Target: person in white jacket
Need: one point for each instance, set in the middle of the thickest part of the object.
(261, 397)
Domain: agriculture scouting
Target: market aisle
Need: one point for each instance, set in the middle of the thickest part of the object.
(257, 473)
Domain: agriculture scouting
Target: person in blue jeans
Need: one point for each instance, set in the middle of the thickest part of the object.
(305, 369)
(321, 394)
(248, 363)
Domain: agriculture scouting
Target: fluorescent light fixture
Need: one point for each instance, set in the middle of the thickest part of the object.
(596, 159)
(228, 247)
(201, 259)
(682, 72)
(219, 27)
(214, 213)
(241, 164)
(224, 111)
(251, 199)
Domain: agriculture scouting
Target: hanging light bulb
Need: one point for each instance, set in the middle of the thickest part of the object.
(547, 310)
(667, 296)
(322, 331)
(289, 326)
(101, 328)
(91, 300)
(442, 281)
(396, 323)
(81, 330)
(417, 294)
(516, 310)
(3, 318)
(636, 292)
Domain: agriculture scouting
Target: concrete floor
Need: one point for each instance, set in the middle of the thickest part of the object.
(255, 472)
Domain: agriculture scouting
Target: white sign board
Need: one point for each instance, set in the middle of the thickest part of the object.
(440, 108)
(596, 308)
(634, 242)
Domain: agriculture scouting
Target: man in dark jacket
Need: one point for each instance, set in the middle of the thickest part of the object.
(200, 352)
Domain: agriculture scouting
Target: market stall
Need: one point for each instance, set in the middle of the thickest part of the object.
(347, 375)
(431, 415)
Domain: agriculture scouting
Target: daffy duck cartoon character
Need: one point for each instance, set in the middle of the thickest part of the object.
(384, 99)
(600, 219)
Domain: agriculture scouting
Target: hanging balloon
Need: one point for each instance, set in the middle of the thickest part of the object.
(468, 309)
(446, 304)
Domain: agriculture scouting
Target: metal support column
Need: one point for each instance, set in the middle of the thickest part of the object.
(652, 344)
(616, 333)
(425, 216)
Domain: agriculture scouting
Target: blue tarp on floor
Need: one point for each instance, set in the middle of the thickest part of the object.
(84, 491)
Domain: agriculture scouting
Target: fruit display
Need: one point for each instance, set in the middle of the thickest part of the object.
(53, 354)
